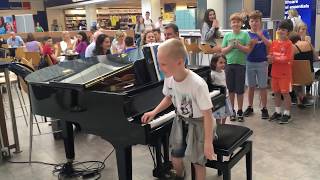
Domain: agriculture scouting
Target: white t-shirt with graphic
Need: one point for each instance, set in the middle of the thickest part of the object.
(189, 96)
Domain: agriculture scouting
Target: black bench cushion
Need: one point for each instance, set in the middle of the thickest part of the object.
(230, 137)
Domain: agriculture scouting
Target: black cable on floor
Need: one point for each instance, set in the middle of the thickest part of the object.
(93, 168)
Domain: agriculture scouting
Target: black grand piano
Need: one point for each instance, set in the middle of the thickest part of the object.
(106, 96)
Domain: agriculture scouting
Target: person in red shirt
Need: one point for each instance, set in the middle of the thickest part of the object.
(48, 49)
(281, 56)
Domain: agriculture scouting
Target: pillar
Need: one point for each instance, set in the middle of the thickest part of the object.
(91, 15)
(220, 9)
(201, 6)
(153, 6)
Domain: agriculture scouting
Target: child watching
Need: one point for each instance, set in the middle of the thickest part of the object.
(281, 57)
(190, 96)
(235, 45)
(257, 64)
(218, 77)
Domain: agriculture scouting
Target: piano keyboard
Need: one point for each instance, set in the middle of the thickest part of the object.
(166, 117)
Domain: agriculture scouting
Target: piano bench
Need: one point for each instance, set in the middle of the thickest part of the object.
(230, 139)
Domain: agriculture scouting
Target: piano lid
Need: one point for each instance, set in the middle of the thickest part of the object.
(80, 73)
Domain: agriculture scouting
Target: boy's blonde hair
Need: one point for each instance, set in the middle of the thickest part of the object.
(174, 48)
(236, 17)
(255, 15)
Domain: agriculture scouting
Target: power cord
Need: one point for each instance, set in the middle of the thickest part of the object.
(86, 169)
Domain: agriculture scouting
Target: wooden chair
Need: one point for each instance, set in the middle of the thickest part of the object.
(193, 49)
(20, 53)
(301, 73)
(34, 57)
(302, 76)
(208, 50)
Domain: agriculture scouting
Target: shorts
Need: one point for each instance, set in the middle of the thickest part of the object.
(257, 74)
(235, 77)
(281, 85)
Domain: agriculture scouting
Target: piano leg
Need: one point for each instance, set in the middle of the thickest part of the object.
(124, 162)
(163, 167)
(165, 141)
(68, 139)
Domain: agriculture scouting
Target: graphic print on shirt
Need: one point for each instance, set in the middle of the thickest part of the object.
(186, 106)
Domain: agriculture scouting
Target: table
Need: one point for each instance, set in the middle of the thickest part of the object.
(71, 56)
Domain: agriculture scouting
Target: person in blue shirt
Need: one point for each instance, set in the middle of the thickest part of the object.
(129, 42)
(257, 64)
(15, 41)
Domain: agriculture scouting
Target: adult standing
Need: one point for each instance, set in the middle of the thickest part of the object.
(139, 29)
(38, 28)
(210, 28)
(148, 22)
(304, 51)
(54, 25)
(302, 31)
(294, 16)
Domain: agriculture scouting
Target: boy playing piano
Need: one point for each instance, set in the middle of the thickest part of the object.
(190, 96)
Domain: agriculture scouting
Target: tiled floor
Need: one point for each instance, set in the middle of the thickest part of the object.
(280, 152)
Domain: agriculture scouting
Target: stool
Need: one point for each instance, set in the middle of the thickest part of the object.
(230, 139)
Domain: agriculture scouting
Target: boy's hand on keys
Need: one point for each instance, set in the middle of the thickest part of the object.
(147, 117)
(208, 151)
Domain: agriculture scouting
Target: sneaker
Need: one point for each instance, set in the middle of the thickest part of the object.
(275, 116)
(240, 116)
(285, 119)
(264, 113)
(248, 111)
(233, 116)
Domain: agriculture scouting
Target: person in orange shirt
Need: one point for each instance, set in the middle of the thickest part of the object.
(281, 56)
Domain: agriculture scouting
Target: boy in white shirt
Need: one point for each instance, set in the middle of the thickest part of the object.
(190, 95)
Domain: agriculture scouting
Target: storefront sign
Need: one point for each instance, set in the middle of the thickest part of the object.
(119, 11)
(307, 12)
(52, 3)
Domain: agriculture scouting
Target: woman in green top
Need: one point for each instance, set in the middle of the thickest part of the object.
(39, 28)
